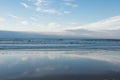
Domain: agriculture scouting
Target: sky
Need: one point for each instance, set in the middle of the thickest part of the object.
(59, 15)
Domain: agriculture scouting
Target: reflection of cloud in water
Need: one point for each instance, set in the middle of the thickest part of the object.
(53, 56)
(41, 63)
(112, 58)
(37, 70)
(1, 62)
(49, 68)
(24, 58)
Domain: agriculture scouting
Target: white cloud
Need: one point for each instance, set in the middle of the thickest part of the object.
(52, 11)
(39, 2)
(25, 23)
(38, 9)
(75, 5)
(106, 24)
(71, 4)
(41, 6)
(107, 28)
(68, 0)
(33, 18)
(25, 5)
(52, 26)
(2, 19)
(44, 6)
(13, 16)
(66, 12)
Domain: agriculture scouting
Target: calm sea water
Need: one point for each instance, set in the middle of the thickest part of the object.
(90, 60)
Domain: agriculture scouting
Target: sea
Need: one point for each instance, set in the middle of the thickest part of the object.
(59, 59)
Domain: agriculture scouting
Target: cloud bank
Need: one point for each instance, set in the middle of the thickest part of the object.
(106, 24)
(107, 28)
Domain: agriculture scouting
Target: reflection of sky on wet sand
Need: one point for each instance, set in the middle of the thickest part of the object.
(22, 64)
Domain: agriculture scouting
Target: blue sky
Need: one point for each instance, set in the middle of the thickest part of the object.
(59, 15)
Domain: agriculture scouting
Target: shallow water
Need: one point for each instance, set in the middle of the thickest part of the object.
(60, 65)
